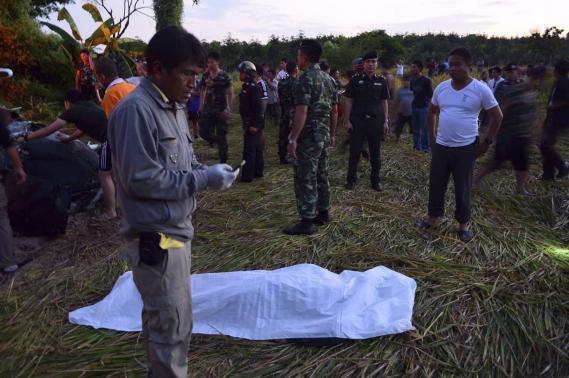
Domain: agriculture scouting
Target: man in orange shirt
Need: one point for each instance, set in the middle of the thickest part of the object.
(116, 88)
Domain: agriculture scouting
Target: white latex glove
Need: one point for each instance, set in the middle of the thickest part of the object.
(220, 176)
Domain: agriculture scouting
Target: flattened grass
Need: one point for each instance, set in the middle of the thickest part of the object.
(497, 306)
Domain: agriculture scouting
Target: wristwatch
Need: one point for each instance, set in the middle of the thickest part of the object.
(291, 141)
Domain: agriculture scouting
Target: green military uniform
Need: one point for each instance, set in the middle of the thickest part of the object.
(213, 123)
(286, 98)
(316, 89)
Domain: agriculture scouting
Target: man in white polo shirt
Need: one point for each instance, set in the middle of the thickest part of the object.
(455, 144)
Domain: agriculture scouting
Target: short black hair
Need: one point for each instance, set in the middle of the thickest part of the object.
(497, 69)
(324, 66)
(106, 66)
(173, 46)
(284, 60)
(418, 63)
(370, 55)
(463, 53)
(214, 55)
(73, 95)
(312, 49)
(84, 51)
(562, 67)
(290, 67)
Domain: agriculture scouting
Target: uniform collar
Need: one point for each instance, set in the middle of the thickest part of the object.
(158, 96)
(313, 66)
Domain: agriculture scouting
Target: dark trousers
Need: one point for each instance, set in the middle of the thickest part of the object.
(420, 132)
(402, 120)
(551, 158)
(253, 156)
(213, 129)
(370, 128)
(285, 126)
(458, 161)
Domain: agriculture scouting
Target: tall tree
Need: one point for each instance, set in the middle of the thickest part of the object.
(42, 8)
(169, 12)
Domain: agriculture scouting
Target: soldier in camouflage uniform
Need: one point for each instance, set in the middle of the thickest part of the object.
(286, 98)
(217, 99)
(314, 128)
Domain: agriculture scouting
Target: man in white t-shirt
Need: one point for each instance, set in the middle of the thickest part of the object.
(400, 69)
(282, 73)
(455, 144)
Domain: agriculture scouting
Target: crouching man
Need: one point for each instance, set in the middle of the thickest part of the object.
(157, 179)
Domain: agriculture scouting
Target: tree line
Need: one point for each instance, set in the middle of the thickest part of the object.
(339, 51)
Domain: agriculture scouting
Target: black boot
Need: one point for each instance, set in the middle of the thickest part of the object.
(305, 227)
(322, 218)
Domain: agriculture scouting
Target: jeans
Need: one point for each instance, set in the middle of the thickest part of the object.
(420, 132)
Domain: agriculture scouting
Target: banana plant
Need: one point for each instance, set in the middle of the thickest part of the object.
(107, 33)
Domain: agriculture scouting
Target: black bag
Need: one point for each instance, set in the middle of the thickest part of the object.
(37, 207)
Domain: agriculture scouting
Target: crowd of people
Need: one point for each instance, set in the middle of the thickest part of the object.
(147, 128)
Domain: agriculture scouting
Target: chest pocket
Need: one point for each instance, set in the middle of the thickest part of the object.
(376, 90)
(168, 150)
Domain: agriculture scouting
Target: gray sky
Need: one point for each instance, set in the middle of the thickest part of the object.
(256, 19)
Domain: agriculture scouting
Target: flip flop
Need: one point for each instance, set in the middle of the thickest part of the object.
(465, 235)
(423, 225)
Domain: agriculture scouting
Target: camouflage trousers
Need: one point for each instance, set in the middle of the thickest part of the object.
(311, 185)
(213, 129)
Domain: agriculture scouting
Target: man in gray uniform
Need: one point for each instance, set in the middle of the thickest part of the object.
(157, 177)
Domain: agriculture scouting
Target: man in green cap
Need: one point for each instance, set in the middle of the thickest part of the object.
(314, 129)
(7, 261)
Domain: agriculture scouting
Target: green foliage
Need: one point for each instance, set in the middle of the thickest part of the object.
(42, 8)
(93, 11)
(168, 12)
(339, 51)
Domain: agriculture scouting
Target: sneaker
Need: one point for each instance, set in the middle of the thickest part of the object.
(11, 268)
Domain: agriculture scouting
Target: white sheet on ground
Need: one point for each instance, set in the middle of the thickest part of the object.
(301, 301)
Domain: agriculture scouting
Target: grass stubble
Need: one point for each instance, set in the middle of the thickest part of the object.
(498, 306)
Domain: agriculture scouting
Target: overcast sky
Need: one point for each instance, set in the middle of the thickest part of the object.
(258, 19)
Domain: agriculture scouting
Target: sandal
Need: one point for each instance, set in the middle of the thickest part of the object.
(423, 225)
(465, 235)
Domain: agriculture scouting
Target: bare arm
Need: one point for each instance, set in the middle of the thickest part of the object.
(202, 96)
(347, 112)
(77, 79)
(229, 99)
(68, 138)
(333, 124)
(55, 126)
(17, 164)
(496, 116)
(432, 122)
